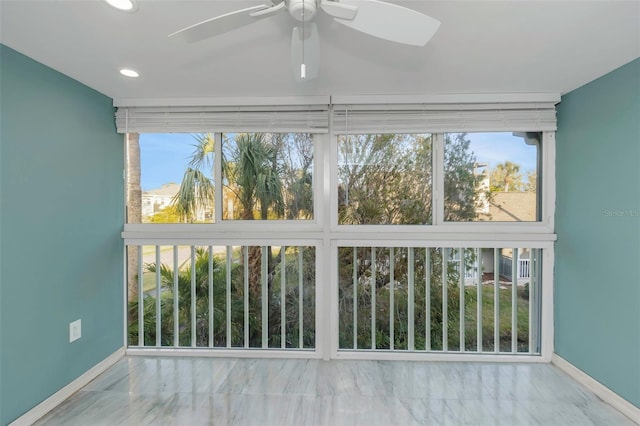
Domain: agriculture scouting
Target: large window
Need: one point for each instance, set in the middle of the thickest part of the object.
(491, 177)
(341, 230)
(170, 178)
(387, 179)
(265, 176)
(384, 179)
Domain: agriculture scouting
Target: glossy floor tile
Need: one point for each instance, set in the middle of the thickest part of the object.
(215, 391)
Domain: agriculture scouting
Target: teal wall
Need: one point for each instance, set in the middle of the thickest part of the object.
(597, 273)
(61, 194)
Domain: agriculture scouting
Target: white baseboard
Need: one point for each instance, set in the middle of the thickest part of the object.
(603, 392)
(37, 412)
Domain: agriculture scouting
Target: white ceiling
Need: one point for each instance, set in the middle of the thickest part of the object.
(481, 47)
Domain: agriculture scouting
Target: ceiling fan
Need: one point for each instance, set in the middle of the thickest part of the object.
(380, 19)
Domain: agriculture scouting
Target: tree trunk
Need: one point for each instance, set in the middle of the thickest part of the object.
(255, 271)
(134, 208)
(254, 258)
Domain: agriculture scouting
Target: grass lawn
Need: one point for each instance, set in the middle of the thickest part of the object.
(488, 315)
(505, 311)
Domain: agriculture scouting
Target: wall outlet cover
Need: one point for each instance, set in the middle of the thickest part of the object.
(75, 330)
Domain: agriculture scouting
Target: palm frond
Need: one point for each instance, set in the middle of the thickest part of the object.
(196, 192)
(202, 156)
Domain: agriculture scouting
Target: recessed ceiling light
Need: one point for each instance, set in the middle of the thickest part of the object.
(129, 73)
(126, 5)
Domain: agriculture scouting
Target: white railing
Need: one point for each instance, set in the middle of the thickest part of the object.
(418, 299)
(224, 297)
(390, 299)
(524, 268)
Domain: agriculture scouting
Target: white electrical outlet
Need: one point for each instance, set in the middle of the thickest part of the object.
(75, 330)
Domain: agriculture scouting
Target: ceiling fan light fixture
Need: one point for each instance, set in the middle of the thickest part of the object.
(127, 72)
(376, 18)
(123, 5)
(303, 10)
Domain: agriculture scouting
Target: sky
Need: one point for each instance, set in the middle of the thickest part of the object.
(494, 148)
(164, 157)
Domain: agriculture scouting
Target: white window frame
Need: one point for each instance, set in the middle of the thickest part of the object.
(285, 228)
(326, 235)
(448, 234)
(546, 314)
(438, 225)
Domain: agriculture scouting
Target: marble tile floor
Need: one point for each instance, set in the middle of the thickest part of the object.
(220, 391)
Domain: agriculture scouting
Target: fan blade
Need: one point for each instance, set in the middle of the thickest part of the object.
(309, 43)
(224, 23)
(391, 22)
(339, 10)
(270, 11)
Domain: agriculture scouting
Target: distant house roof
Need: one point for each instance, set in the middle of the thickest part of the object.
(168, 189)
(512, 206)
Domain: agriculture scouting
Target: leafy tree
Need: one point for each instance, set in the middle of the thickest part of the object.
(296, 166)
(506, 177)
(532, 181)
(384, 179)
(398, 313)
(460, 181)
(387, 179)
(169, 214)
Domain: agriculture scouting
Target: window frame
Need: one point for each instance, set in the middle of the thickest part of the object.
(326, 235)
(326, 206)
(239, 225)
(438, 224)
(336, 227)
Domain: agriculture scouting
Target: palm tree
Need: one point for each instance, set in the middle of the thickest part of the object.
(197, 191)
(202, 304)
(506, 176)
(252, 173)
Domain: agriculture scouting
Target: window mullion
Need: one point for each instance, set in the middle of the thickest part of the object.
(437, 180)
(332, 180)
(217, 176)
(327, 276)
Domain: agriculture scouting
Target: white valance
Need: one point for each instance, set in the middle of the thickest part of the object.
(388, 114)
(438, 118)
(303, 119)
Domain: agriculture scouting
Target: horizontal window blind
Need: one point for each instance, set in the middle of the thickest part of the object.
(353, 119)
(303, 119)
(357, 118)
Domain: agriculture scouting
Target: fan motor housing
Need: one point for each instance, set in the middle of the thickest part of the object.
(303, 10)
